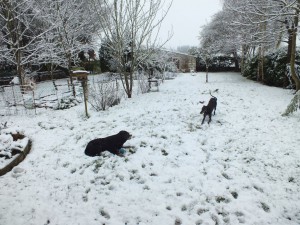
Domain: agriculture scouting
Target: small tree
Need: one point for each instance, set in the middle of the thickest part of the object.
(131, 28)
(206, 51)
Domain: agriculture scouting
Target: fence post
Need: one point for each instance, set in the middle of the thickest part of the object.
(84, 87)
(82, 76)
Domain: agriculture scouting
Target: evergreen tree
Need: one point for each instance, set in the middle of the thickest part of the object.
(294, 105)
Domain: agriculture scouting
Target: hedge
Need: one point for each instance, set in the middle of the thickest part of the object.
(274, 68)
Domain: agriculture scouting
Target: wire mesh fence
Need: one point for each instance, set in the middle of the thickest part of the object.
(104, 91)
(25, 99)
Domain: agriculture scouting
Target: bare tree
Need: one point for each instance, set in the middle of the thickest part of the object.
(73, 31)
(210, 45)
(20, 33)
(206, 53)
(44, 32)
(131, 29)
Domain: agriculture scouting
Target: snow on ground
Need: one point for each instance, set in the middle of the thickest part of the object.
(243, 168)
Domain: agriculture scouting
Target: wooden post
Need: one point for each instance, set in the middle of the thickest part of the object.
(82, 76)
(84, 87)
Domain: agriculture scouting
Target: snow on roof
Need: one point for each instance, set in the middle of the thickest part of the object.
(79, 71)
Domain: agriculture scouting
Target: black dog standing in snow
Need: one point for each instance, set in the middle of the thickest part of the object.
(113, 144)
(208, 109)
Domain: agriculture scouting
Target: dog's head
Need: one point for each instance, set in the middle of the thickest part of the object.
(125, 135)
(213, 99)
(203, 109)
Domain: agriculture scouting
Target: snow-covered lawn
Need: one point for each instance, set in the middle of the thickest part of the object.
(242, 168)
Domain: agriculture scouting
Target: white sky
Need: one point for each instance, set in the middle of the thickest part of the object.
(187, 17)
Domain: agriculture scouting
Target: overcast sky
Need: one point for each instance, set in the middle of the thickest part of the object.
(186, 17)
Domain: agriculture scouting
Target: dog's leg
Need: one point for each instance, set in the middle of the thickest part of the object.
(209, 118)
(203, 118)
(215, 108)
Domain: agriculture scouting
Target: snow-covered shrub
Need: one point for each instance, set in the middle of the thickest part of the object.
(66, 103)
(12, 142)
(289, 74)
(275, 68)
(294, 105)
(5, 142)
(104, 94)
(169, 75)
(15, 81)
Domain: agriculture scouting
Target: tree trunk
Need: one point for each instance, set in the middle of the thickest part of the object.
(131, 84)
(20, 69)
(206, 73)
(243, 59)
(127, 85)
(290, 44)
(72, 83)
(125, 78)
(261, 58)
(293, 51)
(15, 40)
(50, 68)
(70, 74)
(236, 61)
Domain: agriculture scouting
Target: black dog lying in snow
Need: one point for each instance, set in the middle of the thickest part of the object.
(208, 109)
(112, 144)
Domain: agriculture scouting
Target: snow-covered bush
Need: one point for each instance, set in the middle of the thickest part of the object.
(294, 105)
(15, 81)
(104, 94)
(169, 75)
(5, 142)
(289, 73)
(275, 68)
(12, 142)
(66, 103)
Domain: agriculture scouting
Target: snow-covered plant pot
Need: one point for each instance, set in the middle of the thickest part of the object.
(14, 147)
